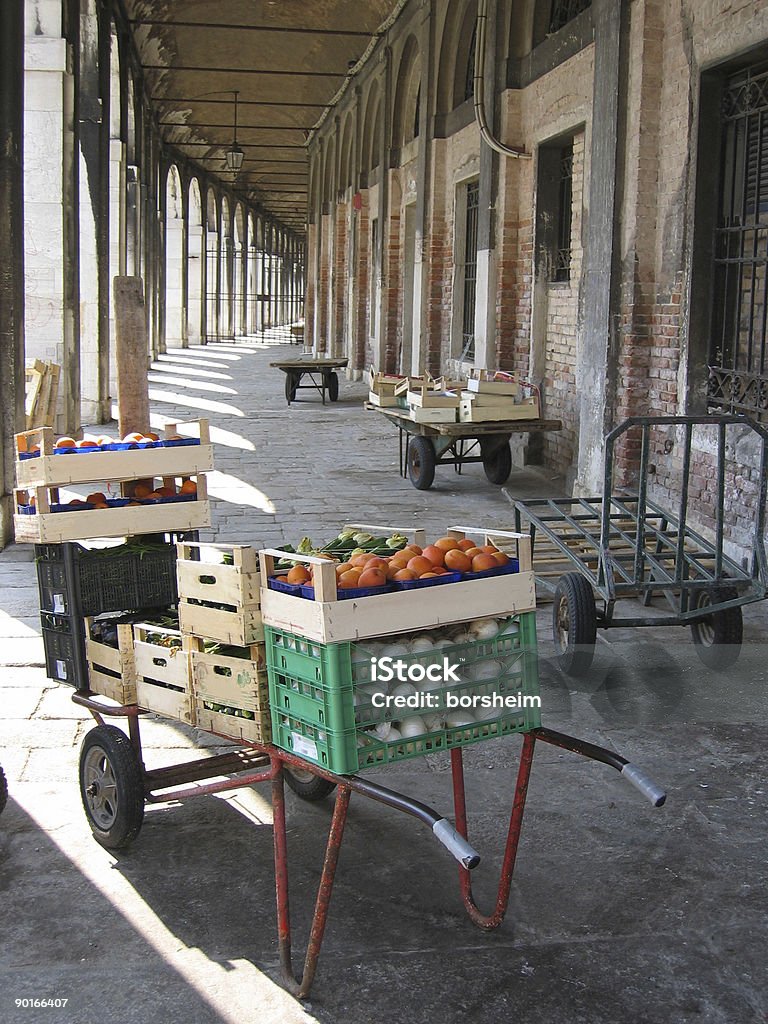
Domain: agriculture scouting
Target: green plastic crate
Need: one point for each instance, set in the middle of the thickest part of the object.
(319, 715)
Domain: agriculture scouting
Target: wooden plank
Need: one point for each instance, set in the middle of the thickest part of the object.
(239, 628)
(133, 464)
(56, 527)
(218, 583)
(163, 701)
(237, 682)
(169, 665)
(242, 730)
(114, 687)
(401, 612)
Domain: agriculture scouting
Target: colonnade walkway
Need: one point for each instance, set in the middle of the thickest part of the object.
(182, 927)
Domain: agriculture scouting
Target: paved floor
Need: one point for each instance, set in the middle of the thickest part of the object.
(619, 912)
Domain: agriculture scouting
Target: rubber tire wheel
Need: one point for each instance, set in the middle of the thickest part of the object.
(718, 636)
(333, 387)
(308, 786)
(497, 462)
(3, 791)
(573, 614)
(290, 387)
(421, 462)
(106, 752)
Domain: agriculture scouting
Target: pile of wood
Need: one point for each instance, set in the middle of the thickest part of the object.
(42, 392)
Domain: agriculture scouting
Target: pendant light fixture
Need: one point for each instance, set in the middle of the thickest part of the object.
(234, 155)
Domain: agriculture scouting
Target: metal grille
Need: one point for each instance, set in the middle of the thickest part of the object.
(562, 269)
(470, 274)
(469, 78)
(738, 375)
(564, 11)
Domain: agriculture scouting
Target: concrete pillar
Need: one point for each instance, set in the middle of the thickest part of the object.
(12, 264)
(601, 273)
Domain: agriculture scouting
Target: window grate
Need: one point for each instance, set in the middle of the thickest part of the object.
(470, 274)
(562, 267)
(738, 374)
(469, 78)
(564, 11)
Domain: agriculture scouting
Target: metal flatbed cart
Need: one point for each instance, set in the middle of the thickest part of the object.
(595, 552)
(424, 446)
(115, 786)
(321, 373)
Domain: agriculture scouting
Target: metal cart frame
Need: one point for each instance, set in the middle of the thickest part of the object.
(296, 369)
(628, 546)
(265, 763)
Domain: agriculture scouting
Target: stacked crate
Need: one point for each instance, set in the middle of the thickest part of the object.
(220, 620)
(319, 653)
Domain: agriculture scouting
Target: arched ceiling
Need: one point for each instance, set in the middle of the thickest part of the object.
(286, 58)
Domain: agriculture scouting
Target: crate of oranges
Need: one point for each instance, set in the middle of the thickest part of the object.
(419, 586)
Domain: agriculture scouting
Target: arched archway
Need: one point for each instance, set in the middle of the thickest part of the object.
(239, 264)
(457, 56)
(212, 267)
(174, 255)
(225, 275)
(370, 147)
(407, 95)
(195, 257)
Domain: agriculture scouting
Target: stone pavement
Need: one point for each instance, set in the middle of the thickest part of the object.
(618, 911)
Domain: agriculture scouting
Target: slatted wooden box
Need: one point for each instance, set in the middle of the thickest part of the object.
(163, 674)
(237, 684)
(112, 670)
(205, 585)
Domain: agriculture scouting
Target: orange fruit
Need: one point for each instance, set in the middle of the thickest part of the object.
(465, 544)
(361, 559)
(101, 504)
(377, 563)
(439, 570)
(403, 575)
(489, 548)
(429, 576)
(103, 439)
(435, 554)
(500, 557)
(483, 561)
(343, 567)
(298, 574)
(457, 561)
(188, 487)
(471, 552)
(133, 437)
(349, 578)
(392, 569)
(400, 560)
(34, 448)
(75, 501)
(420, 564)
(97, 498)
(141, 491)
(66, 442)
(152, 437)
(87, 444)
(411, 549)
(154, 495)
(372, 578)
(447, 543)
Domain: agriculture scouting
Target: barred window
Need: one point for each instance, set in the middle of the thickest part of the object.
(466, 259)
(562, 266)
(564, 11)
(738, 374)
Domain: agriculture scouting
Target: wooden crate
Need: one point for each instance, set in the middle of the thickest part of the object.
(328, 620)
(236, 683)
(46, 527)
(112, 670)
(214, 583)
(41, 393)
(51, 470)
(527, 409)
(485, 382)
(163, 675)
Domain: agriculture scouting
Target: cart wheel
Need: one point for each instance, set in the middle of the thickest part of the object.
(421, 462)
(718, 636)
(3, 791)
(290, 387)
(307, 785)
(574, 624)
(111, 786)
(497, 459)
(333, 386)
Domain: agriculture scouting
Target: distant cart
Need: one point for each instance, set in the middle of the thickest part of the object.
(424, 446)
(624, 545)
(321, 373)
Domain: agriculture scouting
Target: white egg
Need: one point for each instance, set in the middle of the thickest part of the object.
(421, 645)
(383, 730)
(433, 722)
(394, 734)
(484, 629)
(404, 690)
(415, 726)
(458, 718)
(394, 651)
(486, 670)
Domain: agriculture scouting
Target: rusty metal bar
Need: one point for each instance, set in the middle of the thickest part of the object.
(493, 920)
(245, 779)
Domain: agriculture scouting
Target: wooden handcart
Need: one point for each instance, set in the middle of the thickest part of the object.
(320, 371)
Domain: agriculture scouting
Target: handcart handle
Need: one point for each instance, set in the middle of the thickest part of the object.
(456, 844)
(655, 794)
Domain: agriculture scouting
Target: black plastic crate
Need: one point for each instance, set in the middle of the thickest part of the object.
(64, 649)
(74, 580)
